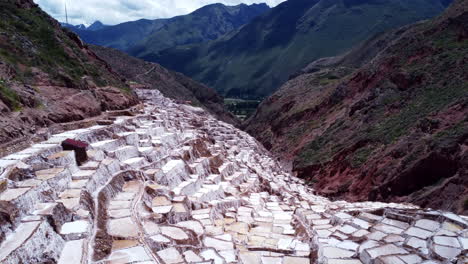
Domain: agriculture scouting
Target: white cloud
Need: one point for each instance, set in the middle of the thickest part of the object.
(117, 11)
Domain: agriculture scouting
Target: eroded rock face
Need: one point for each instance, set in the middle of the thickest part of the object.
(384, 122)
(157, 189)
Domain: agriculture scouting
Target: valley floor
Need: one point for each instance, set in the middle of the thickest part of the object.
(241, 108)
(172, 184)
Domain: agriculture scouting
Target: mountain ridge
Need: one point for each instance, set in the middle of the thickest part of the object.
(96, 25)
(206, 23)
(254, 60)
(391, 127)
(171, 84)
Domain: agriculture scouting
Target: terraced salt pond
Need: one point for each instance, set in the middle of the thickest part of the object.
(171, 184)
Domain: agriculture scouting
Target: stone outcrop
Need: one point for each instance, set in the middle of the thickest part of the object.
(172, 184)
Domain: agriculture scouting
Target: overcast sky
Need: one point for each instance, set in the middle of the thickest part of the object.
(117, 11)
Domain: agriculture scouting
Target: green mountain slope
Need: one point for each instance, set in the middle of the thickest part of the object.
(254, 61)
(207, 23)
(171, 84)
(48, 76)
(387, 121)
(148, 36)
(121, 36)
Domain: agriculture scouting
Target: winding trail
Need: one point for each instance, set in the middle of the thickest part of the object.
(146, 73)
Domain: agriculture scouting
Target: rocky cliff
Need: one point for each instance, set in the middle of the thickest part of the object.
(387, 121)
(48, 76)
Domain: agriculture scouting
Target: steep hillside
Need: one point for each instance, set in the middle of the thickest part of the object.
(172, 84)
(396, 129)
(150, 36)
(256, 60)
(47, 75)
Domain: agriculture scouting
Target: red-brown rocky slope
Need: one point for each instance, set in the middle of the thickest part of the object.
(395, 128)
(48, 76)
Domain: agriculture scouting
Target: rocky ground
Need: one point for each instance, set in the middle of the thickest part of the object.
(171, 184)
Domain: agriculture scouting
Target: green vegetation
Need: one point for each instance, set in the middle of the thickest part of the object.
(9, 96)
(324, 147)
(440, 89)
(433, 99)
(402, 101)
(296, 132)
(256, 60)
(360, 156)
(454, 131)
(121, 36)
(49, 52)
(207, 23)
(241, 108)
(143, 37)
(34, 40)
(326, 81)
(449, 137)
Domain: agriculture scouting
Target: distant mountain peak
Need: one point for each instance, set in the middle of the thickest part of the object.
(261, 4)
(207, 23)
(239, 6)
(97, 25)
(255, 60)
